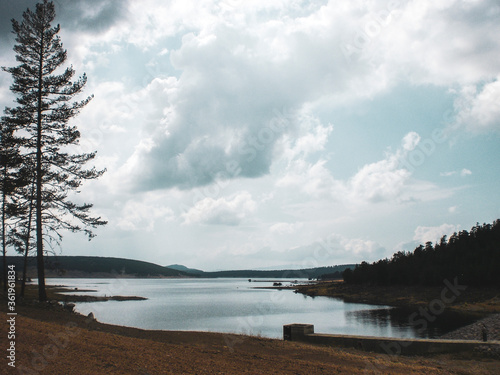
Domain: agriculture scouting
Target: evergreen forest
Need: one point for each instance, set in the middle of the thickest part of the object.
(472, 257)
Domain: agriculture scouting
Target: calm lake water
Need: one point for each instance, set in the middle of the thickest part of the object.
(237, 306)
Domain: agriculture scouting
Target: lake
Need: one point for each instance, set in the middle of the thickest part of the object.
(238, 306)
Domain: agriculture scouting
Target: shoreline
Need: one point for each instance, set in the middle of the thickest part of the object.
(88, 346)
(58, 293)
(469, 300)
(66, 342)
(469, 331)
(337, 289)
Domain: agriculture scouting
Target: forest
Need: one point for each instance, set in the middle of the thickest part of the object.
(473, 257)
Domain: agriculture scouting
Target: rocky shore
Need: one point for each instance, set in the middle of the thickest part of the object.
(487, 329)
(489, 325)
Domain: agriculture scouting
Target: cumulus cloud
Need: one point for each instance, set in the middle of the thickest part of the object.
(379, 181)
(313, 179)
(442, 43)
(219, 119)
(220, 89)
(385, 180)
(235, 78)
(434, 234)
(330, 250)
(79, 16)
(142, 214)
(222, 211)
(285, 228)
(410, 141)
(478, 109)
(212, 125)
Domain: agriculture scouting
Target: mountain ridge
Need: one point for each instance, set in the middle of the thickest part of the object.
(108, 267)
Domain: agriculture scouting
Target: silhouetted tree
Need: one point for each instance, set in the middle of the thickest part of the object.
(43, 113)
(9, 161)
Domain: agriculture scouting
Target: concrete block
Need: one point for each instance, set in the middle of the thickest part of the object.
(296, 331)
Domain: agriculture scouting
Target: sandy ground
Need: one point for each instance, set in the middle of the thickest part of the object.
(51, 341)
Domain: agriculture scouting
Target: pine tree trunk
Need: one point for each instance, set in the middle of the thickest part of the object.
(27, 242)
(4, 242)
(25, 266)
(42, 294)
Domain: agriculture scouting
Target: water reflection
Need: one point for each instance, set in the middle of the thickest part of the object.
(411, 322)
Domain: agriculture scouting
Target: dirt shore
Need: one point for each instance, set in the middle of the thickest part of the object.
(460, 298)
(50, 340)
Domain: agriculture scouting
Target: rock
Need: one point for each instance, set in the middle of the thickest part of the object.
(69, 306)
(487, 329)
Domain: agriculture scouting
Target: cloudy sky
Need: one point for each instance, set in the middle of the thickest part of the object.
(268, 134)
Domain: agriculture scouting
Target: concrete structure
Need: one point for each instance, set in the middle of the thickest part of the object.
(296, 331)
(387, 345)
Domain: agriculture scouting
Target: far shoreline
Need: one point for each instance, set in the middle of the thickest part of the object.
(473, 300)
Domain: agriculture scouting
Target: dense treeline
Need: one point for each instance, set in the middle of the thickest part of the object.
(473, 257)
(305, 273)
(337, 275)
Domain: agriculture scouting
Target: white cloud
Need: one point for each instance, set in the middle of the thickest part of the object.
(334, 249)
(143, 214)
(313, 179)
(310, 137)
(442, 43)
(410, 141)
(211, 115)
(285, 228)
(222, 211)
(463, 173)
(380, 181)
(328, 250)
(386, 180)
(478, 109)
(434, 234)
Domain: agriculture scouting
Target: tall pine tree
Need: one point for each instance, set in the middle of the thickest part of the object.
(10, 161)
(45, 106)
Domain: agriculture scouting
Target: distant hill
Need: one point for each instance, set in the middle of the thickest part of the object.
(106, 267)
(92, 266)
(180, 267)
(306, 273)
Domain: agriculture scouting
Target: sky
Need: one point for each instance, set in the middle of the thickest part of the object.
(280, 134)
